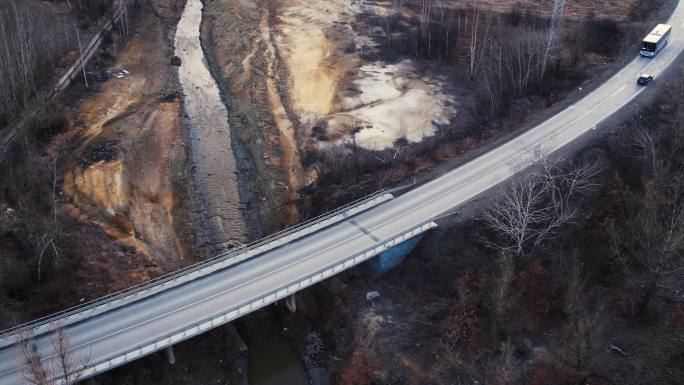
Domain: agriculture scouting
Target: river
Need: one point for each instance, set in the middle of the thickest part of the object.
(272, 360)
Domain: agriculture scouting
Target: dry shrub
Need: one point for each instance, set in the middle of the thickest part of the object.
(89, 11)
(538, 288)
(552, 376)
(626, 306)
(360, 369)
(676, 319)
(465, 323)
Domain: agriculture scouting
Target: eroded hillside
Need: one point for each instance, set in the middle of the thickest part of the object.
(127, 172)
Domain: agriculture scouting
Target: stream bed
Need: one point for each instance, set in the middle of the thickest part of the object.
(213, 160)
(272, 360)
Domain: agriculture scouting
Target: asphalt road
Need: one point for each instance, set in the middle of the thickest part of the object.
(111, 334)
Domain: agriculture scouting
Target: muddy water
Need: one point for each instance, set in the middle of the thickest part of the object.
(272, 360)
(213, 159)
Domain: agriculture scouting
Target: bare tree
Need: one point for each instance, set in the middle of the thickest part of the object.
(504, 370)
(59, 366)
(531, 209)
(30, 41)
(652, 235)
(45, 234)
(479, 40)
(584, 326)
(564, 185)
(516, 214)
(425, 10)
(649, 238)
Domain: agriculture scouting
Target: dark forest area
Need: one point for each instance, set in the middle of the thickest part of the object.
(571, 273)
(35, 39)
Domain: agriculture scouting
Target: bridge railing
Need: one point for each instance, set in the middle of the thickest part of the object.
(220, 261)
(253, 304)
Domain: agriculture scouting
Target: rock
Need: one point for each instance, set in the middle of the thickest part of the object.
(171, 96)
(372, 295)
(319, 376)
(106, 151)
(541, 354)
(103, 76)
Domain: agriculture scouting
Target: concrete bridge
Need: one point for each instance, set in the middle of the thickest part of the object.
(139, 321)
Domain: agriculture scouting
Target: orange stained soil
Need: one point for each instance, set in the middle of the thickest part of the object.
(131, 194)
(287, 140)
(307, 52)
(417, 372)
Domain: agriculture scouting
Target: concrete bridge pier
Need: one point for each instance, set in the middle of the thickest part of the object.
(170, 355)
(393, 257)
(291, 303)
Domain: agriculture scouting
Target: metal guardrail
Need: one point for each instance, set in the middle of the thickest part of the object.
(217, 262)
(255, 303)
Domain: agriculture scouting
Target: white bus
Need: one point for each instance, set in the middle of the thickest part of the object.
(656, 40)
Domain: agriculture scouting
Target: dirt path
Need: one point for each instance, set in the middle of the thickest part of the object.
(213, 160)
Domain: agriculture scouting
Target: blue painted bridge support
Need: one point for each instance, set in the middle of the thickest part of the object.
(393, 257)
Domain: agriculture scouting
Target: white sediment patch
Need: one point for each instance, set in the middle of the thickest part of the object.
(412, 116)
(392, 106)
(376, 84)
(389, 101)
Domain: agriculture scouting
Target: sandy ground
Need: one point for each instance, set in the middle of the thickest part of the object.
(288, 78)
(288, 143)
(213, 161)
(302, 42)
(131, 155)
(240, 51)
(330, 87)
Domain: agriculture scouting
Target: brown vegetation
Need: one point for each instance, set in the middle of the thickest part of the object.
(593, 298)
(46, 213)
(504, 64)
(37, 39)
(56, 367)
(32, 43)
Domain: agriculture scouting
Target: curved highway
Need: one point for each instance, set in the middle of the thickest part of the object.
(126, 329)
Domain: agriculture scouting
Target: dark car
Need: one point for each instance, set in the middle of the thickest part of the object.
(644, 79)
